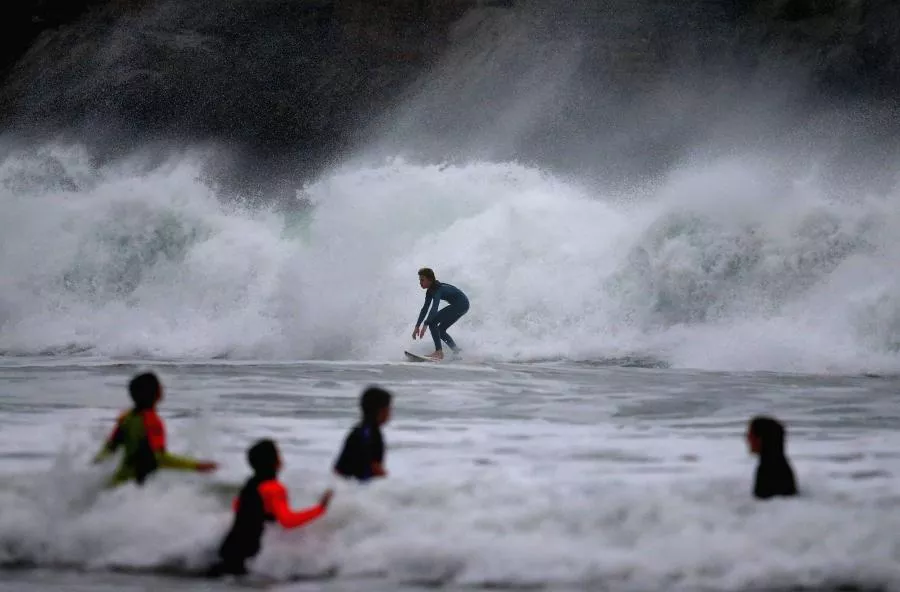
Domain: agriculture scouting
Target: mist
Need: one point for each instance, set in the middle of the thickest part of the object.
(621, 92)
(610, 92)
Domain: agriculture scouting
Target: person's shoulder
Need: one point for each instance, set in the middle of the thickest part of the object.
(367, 427)
(355, 433)
(371, 433)
(272, 487)
(273, 494)
(152, 418)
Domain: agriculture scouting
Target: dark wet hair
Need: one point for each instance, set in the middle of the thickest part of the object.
(771, 433)
(373, 400)
(263, 457)
(144, 390)
(427, 272)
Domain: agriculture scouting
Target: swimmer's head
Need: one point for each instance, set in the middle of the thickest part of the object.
(376, 405)
(765, 435)
(263, 458)
(145, 390)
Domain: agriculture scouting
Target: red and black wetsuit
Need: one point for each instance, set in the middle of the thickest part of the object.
(263, 499)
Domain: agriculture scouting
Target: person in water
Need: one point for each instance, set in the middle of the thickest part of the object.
(439, 321)
(262, 499)
(142, 435)
(774, 475)
(362, 456)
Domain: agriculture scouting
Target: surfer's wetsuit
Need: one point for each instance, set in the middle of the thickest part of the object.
(439, 321)
(143, 436)
(262, 499)
(363, 446)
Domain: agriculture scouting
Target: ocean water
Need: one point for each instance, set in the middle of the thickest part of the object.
(591, 437)
(540, 475)
(729, 265)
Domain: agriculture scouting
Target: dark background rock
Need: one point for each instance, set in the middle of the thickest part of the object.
(285, 87)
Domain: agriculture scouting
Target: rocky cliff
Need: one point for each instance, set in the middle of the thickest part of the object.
(299, 83)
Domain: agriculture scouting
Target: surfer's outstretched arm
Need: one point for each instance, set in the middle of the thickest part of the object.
(435, 302)
(424, 310)
(433, 296)
(416, 331)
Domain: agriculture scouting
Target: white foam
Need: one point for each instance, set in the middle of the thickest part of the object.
(497, 503)
(731, 265)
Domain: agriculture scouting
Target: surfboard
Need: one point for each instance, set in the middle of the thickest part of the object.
(416, 358)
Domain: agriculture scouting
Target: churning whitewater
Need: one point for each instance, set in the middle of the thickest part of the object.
(502, 476)
(732, 265)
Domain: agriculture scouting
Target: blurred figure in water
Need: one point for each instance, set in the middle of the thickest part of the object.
(362, 457)
(263, 499)
(141, 434)
(774, 475)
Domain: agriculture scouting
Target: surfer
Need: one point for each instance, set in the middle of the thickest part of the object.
(362, 456)
(142, 434)
(262, 499)
(774, 476)
(439, 321)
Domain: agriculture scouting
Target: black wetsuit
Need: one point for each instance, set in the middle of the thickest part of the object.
(244, 538)
(363, 446)
(774, 476)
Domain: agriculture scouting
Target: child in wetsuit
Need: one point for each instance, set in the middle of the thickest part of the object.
(362, 456)
(142, 435)
(262, 499)
(774, 475)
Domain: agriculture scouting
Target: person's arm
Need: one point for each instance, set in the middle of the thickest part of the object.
(417, 332)
(275, 501)
(378, 469)
(156, 432)
(183, 463)
(424, 310)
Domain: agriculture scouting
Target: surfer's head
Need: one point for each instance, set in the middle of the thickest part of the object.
(145, 390)
(264, 459)
(376, 405)
(765, 435)
(426, 277)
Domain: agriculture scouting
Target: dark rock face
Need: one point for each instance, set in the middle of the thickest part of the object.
(852, 47)
(23, 21)
(291, 85)
(266, 76)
